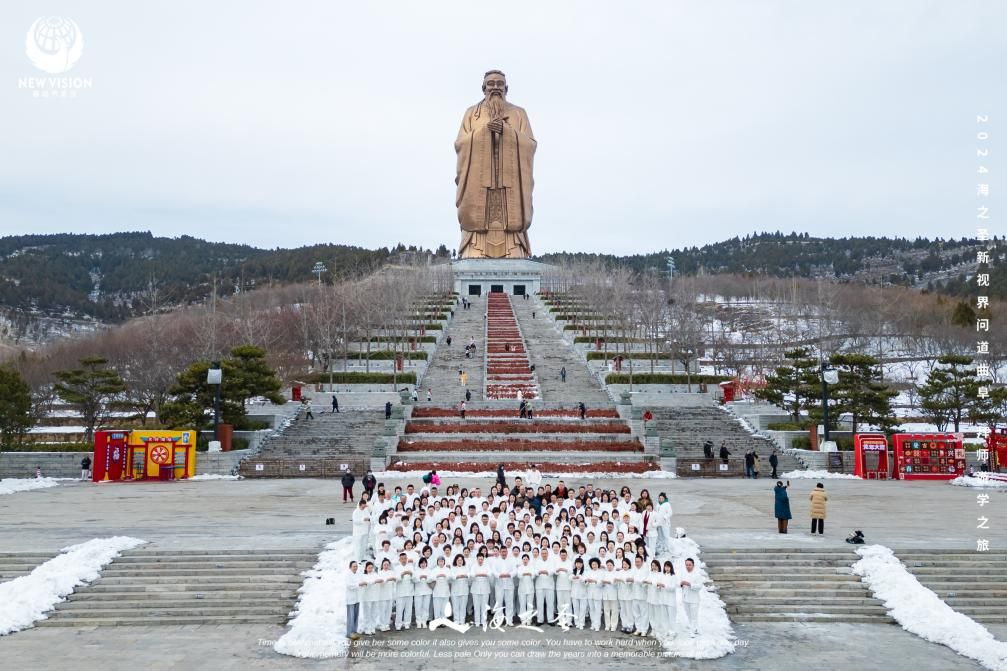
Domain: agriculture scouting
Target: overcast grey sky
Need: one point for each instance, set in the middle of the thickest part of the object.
(660, 124)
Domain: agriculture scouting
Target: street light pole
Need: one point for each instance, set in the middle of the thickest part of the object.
(829, 376)
(215, 376)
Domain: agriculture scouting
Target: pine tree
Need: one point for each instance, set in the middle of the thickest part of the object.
(793, 386)
(15, 408)
(861, 392)
(91, 390)
(245, 374)
(950, 392)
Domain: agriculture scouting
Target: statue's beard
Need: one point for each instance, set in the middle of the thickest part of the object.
(494, 105)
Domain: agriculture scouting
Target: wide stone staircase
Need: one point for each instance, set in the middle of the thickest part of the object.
(441, 375)
(687, 427)
(319, 447)
(556, 439)
(792, 585)
(162, 587)
(16, 564)
(973, 583)
(549, 353)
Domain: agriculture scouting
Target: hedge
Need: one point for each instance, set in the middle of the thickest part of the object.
(664, 378)
(590, 327)
(612, 339)
(429, 327)
(804, 443)
(424, 338)
(387, 355)
(571, 316)
(591, 356)
(52, 447)
(361, 378)
(787, 426)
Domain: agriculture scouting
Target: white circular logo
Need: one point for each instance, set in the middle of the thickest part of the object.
(54, 44)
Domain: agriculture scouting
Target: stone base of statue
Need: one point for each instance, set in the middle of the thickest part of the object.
(517, 277)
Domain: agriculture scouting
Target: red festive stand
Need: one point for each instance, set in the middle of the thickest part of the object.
(108, 462)
(928, 456)
(996, 443)
(143, 455)
(871, 454)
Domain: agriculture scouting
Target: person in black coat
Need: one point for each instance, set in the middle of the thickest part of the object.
(370, 482)
(774, 461)
(388, 410)
(724, 453)
(708, 449)
(750, 464)
(348, 481)
(501, 477)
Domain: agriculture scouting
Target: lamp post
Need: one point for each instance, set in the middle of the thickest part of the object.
(214, 376)
(829, 376)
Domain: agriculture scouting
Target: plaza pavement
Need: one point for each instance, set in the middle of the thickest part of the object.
(290, 514)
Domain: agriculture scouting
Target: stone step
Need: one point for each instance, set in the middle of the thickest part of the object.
(200, 560)
(237, 555)
(248, 595)
(535, 456)
(171, 571)
(826, 608)
(224, 585)
(813, 617)
(200, 581)
(159, 621)
(755, 602)
(88, 611)
(824, 592)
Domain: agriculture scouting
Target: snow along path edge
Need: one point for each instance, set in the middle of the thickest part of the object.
(318, 627)
(13, 485)
(716, 636)
(920, 611)
(28, 599)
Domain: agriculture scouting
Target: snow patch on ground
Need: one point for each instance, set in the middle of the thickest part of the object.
(716, 637)
(213, 476)
(318, 628)
(25, 600)
(966, 481)
(922, 612)
(398, 475)
(817, 475)
(11, 485)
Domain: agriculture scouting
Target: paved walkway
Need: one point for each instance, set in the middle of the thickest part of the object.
(290, 513)
(781, 647)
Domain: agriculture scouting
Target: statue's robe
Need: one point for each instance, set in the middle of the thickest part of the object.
(502, 233)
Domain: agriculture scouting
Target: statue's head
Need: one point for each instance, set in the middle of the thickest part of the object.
(495, 84)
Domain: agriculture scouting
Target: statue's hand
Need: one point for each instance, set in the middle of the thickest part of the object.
(495, 126)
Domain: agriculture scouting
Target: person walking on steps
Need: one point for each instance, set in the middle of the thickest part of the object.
(335, 404)
(468, 394)
(388, 410)
(774, 461)
(448, 341)
(818, 499)
(307, 410)
(583, 410)
(562, 374)
(461, 409)
(782, 506)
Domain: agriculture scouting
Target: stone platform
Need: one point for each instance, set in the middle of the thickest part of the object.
(516, 277)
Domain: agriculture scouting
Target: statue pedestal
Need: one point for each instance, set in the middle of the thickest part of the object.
(516, 277)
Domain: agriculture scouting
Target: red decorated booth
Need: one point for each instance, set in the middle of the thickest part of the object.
(928, 456)
(871, 456)
(143, 455)
(996, 443)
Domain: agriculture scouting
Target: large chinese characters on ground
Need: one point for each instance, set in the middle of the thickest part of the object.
(496, 149)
